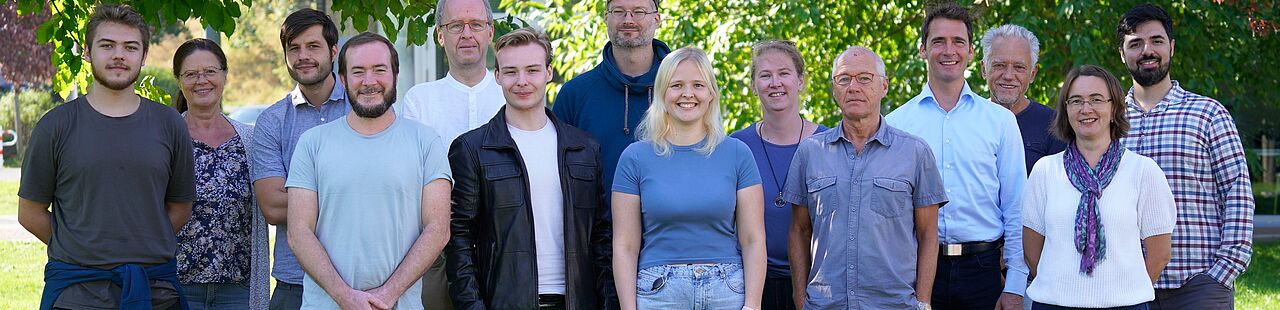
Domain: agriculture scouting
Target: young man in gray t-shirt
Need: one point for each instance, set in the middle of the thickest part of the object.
(108, 180)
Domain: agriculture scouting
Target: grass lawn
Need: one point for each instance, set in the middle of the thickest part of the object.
(8, 198)
(1259, 287)
(21, 274)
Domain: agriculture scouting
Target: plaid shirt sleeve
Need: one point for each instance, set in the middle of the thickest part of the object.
(1235, 199)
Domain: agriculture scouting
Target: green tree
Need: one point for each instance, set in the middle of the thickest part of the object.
(1218, 54)
(65, 28)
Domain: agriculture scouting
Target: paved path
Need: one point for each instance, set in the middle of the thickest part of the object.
(10, 174)
(11, 231)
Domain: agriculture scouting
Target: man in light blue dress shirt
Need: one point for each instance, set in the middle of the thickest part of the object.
(978, 149)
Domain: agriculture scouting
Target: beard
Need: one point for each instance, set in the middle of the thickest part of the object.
(1003, 102)
(323, 69)
(1148, 77)
(375, 111)
(101, 76)
(638, 41)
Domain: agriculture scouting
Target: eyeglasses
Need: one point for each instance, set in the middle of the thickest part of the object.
(476, 26)
(191, 76)
(845, 79)
(1093, 101)
(637, 14)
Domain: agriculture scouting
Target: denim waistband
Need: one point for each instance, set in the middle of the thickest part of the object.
(698, 271)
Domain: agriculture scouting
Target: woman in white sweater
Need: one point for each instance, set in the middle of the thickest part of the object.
(1089, 211)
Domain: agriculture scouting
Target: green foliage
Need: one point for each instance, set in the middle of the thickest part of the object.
(157, 84)
(1218, 55)
(391, 15)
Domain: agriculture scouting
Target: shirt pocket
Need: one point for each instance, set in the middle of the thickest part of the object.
(824, 197)
(583, 179)
(505, 184)
(890, 197)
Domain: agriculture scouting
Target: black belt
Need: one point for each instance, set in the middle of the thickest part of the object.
(550, 300)
(287, 285)
(968, 248)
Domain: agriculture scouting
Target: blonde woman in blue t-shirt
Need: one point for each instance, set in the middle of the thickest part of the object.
(687, 203)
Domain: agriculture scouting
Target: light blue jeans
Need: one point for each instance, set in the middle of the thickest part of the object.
(202, 296)
(693, 287)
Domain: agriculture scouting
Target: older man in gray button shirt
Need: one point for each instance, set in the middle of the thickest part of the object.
(872, 194)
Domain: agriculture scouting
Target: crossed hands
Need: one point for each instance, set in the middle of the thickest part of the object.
(378, 298)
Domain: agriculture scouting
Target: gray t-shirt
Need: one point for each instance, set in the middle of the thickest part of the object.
(108, 179)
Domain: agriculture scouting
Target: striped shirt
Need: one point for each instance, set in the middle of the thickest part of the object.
(1194, 140)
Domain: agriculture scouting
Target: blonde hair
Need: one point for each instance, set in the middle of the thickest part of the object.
(656, 125)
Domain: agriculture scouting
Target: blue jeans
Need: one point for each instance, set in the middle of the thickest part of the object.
(693, 287)
(201, 296)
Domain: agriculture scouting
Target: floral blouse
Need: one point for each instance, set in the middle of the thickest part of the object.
(214, 246)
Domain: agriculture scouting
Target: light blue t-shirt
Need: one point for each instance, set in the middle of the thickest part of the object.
(687, 200)
(370, 199)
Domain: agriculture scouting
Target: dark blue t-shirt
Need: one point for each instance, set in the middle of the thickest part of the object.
(773, 171)
(1034, 122)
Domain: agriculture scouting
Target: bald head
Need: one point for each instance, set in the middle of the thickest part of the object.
(859, 52)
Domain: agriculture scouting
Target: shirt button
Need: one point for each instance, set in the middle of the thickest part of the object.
(948, 191)
(948, 166)
(948, 141)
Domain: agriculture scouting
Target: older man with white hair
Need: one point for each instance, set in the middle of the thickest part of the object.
(1009, 60)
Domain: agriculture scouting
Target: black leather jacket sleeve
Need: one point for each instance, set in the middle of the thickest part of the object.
(464, 284)
(602, 241)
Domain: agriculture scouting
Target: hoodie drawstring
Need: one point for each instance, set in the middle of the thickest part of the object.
(626, 108)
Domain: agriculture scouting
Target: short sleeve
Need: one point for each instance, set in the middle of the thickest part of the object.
(1156, 208)
(182, 175)
(302, 168)
(626, 179)
(1034, 196)
(39, 171)
(748, 172)
(266, 154)
(794, 191)
(435, 162)
(929, 188)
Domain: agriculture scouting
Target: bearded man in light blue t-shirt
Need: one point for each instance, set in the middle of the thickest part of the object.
(368, 202)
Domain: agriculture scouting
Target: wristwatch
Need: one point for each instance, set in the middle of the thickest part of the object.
(920, 305)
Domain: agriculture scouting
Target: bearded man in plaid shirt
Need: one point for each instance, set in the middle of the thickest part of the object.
(1194, 140)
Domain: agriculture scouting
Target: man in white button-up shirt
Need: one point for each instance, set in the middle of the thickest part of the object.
(461, 101)
(468, 96)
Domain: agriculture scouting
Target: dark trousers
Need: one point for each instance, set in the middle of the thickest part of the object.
(286, 296)
(968, 282)
(435, 287)
(1040, 306)
(1200, 292)
(777, 295)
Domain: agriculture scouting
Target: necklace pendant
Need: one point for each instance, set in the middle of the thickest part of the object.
(777, 201)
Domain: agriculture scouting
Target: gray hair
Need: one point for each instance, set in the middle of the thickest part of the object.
(439, 10)
(879, 61)
(1011, 31)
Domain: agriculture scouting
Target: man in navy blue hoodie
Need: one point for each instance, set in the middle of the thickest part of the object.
(609, 100)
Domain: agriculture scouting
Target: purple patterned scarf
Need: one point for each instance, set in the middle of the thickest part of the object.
(1090, 241)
